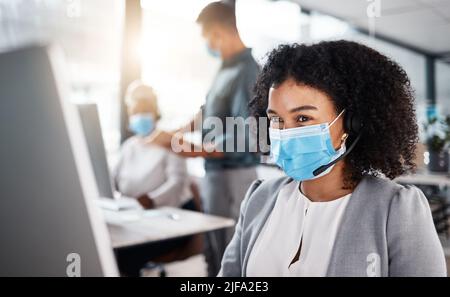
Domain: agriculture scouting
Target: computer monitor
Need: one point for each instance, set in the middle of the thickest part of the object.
(108, 197)
(49, 224)
(92, 130)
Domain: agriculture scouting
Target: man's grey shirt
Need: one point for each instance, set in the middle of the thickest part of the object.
(229, 96)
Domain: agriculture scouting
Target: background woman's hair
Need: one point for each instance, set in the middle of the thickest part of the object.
(363, 81)
(137, 91)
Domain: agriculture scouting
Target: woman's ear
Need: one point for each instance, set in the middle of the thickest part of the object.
(344, 138)
(157, 115)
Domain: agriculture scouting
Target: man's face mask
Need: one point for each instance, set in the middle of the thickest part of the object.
(300, 151)
(211, 42)
(212, 52)
(142, 124)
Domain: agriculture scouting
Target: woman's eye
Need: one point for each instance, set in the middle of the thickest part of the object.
(276, 120)
(302, 119)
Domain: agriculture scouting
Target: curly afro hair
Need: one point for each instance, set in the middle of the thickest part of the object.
(362, 81)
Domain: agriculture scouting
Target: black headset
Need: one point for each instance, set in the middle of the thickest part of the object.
(353, 125)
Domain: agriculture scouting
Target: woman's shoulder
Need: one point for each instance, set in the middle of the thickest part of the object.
(134, 143)
(391, 195)
(263, 192)
(412, 241)
(372, 192)
(268, 186)
(383, 186)
(130, 142)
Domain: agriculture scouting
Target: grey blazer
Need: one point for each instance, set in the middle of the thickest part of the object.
(387, 230)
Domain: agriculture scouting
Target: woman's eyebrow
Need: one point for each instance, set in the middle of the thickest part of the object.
(296, 109)
(303, 107)
(271, 111)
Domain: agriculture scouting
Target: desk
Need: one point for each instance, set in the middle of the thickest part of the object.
(136, 227)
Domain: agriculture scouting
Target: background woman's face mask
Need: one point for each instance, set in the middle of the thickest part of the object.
(300, 151)
(142, 124)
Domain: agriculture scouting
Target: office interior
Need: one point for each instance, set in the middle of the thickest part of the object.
(107, 45)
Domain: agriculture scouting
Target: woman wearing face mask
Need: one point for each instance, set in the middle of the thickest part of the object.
(151, 174)
(342, 126)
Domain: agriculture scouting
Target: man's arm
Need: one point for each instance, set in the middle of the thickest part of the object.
(194, 125)
(175, 143)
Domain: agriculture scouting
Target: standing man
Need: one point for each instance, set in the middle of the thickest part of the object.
(229, 171)
(227, 178)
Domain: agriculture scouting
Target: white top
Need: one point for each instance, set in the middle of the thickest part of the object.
(296, 219)
(152, 170)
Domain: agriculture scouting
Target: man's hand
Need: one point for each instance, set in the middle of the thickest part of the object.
(146, 202)
(183, 148)
(160, 138)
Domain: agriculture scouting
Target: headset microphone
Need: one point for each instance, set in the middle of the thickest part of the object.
(326, 166)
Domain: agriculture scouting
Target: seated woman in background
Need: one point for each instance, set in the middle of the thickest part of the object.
(153, 175)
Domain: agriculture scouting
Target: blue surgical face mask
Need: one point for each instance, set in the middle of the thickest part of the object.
(142, 124)
(214, 53)
(300, 151)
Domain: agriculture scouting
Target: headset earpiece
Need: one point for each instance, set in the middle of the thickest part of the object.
(352, 123)
(353, 126)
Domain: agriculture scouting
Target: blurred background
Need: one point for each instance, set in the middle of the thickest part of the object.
(110, 43)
